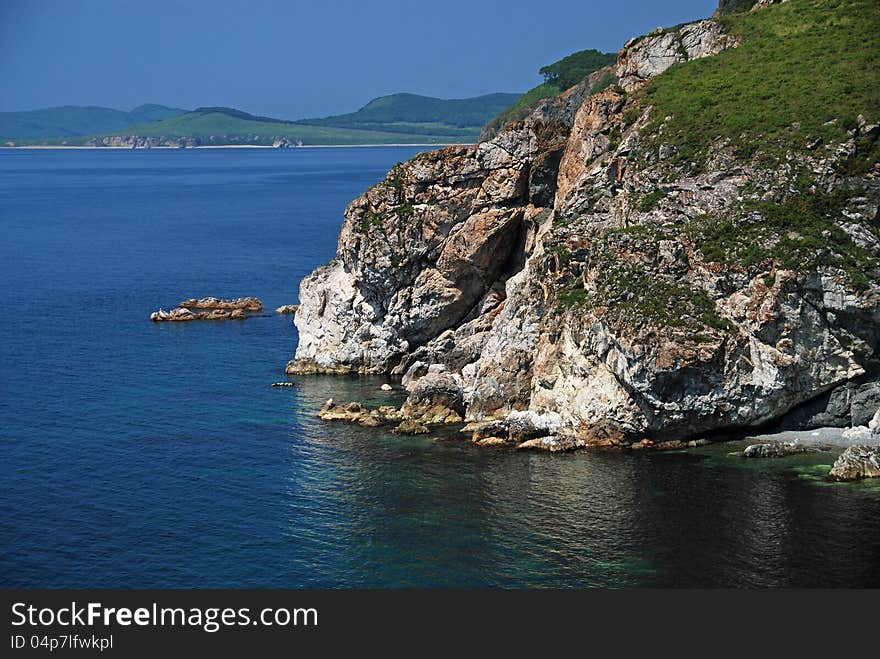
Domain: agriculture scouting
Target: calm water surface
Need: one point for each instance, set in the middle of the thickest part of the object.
(156, 455)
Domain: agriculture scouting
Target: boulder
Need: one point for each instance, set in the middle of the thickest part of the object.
(527, 425)
(486, 429)
(287, 309)
(855, 463)
(551, 443)
(435, 398)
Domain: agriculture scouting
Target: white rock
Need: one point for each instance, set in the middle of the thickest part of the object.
(874, 423)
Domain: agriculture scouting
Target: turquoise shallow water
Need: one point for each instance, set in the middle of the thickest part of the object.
(147, 455)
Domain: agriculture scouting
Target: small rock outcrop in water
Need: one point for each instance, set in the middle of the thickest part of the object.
(243, 303)
(212, 308)
(287, 309)
(182, 314)
(357, 413)
(855, 463)
(577, 265)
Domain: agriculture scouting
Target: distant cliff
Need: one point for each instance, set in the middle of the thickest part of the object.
(692, 250)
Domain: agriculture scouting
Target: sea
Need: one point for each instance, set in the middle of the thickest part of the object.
(157, 455)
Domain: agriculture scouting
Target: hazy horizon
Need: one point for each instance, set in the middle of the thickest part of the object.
(295, 61)
(190, 109)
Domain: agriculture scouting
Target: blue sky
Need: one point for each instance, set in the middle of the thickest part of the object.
(299, 59)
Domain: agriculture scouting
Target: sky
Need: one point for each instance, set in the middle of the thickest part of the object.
(293, 59)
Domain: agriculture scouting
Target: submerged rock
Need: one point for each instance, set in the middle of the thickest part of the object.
(776, 450)
(855, 463)
(490, 441)
(411, 427)
(283, 384)
(552, 443)
(357, 413)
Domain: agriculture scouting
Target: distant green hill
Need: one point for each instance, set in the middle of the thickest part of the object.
(398, 118)
(411, 113)
(76, 121)
(217, 126)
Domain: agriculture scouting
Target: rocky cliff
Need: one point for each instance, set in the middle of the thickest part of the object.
(579, 272)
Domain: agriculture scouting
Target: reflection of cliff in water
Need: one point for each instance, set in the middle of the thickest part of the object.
(433, 510)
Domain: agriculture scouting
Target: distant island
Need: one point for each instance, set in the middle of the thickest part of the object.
(394, 119)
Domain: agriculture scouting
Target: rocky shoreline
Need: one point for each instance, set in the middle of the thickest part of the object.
(529, 431)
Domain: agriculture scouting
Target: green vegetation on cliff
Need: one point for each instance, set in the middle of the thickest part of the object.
(799, 233)
(804, 70)
(730, 6)
(631, 289)
(570, 70)
(558, 77)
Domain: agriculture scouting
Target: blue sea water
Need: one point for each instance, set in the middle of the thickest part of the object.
(137, 454)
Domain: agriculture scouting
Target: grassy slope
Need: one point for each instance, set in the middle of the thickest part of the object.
(804, 70)
(806, 61)
(812, 63)
(74, 120)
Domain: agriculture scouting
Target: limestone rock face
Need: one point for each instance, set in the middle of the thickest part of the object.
(557, 286)
(643, 58)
